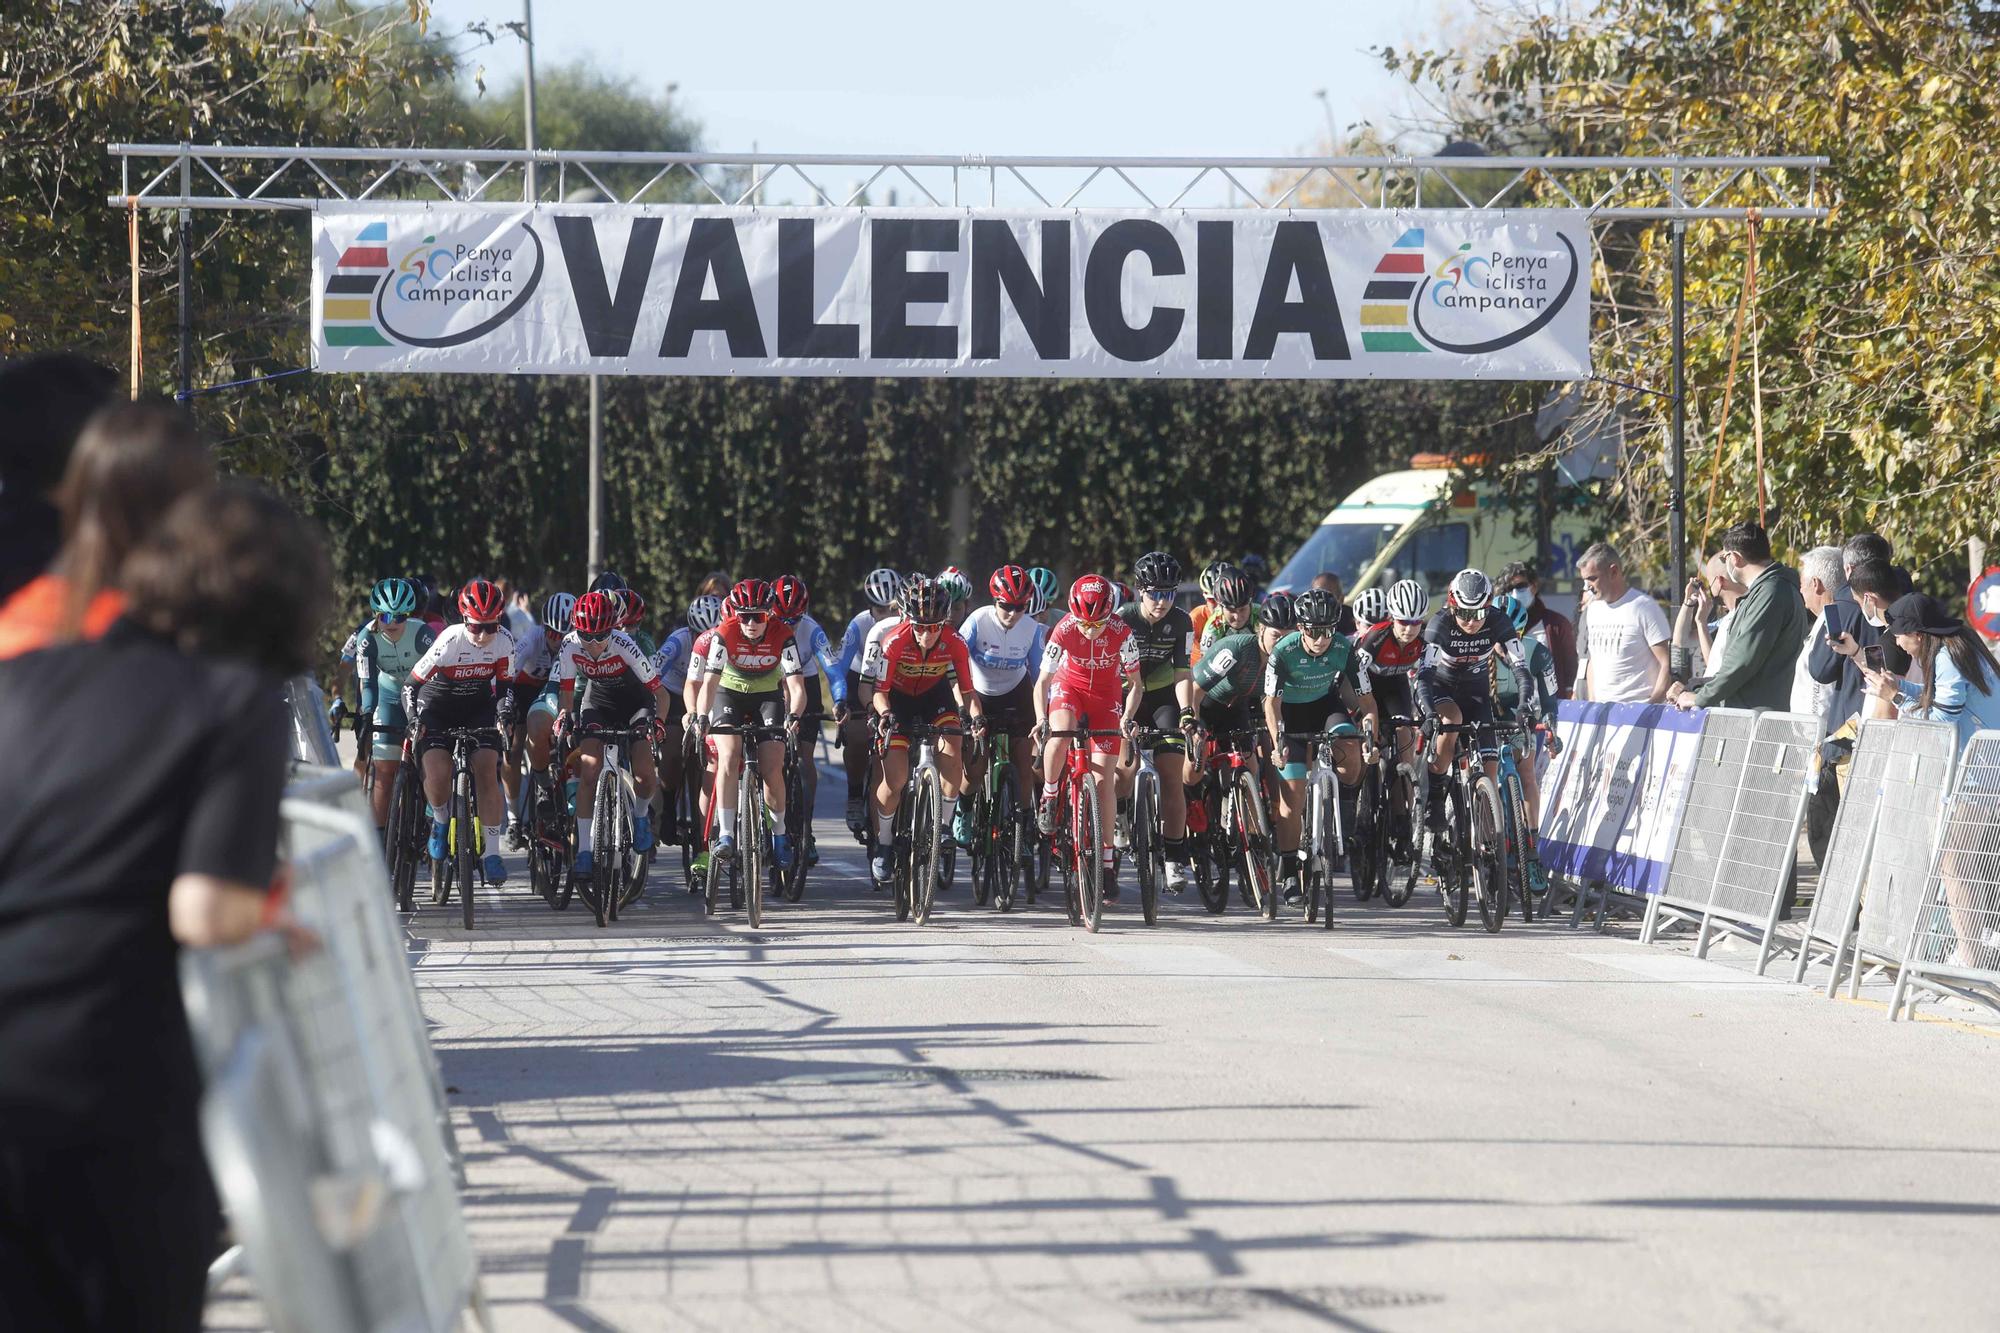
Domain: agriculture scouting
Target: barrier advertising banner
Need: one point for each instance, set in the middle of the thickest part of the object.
(688, 290)
(1611, 801)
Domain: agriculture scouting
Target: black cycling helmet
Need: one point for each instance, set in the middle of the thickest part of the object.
(1256, 567)
(1316, 608)
(1279, 612)
(608, 581)
(1232, 588)
(1157, 572)
(926, 601)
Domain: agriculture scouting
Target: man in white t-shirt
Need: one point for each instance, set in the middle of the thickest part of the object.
(1625, 636)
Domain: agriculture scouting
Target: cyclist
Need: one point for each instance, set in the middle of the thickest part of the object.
(703, 615)
(541, 718)
(1311, 685)
(957, 588)
(754, 678)
(1199, 616)
(925, 677)
(1090, 653)
(1046, 588)
(1004, 644)
(1165, 638)
(882, 587)
(621, 689)
(1507, 707)
(672, 664)
(534, 662)
(1371, 608)
(631, 614)
(1235, 608)
(817, 659)
(1391, 650)
(1230, 675)
(1453, 683)
(461, 682)
(386, 648)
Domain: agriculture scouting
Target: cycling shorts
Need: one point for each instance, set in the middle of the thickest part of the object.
(447, 715)
(1160, 709)
(1316, 716)
(815, 697)
(737, 708)
(935, 707)
(525, 693)
(1089, 712)
(1012, 712)
(1219, 718)
(614, 717)
(1393, 697)
(1474, 709)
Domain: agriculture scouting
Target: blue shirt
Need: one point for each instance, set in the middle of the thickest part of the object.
(1955, 700)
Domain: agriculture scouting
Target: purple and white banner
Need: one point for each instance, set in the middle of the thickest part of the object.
(1611, 801)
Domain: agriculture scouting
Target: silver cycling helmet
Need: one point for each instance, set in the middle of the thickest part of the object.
(883, 586)
(1409, 600)
(1471, 590)
(556, 611)
(1371, 606)
(704, 613)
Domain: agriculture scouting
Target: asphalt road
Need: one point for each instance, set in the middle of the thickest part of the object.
(839, 1122)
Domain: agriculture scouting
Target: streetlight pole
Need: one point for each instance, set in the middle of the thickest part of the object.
(528, 91)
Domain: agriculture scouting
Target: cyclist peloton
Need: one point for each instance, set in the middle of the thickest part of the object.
(1164, 636)
(882, 587)
(461, 682)
(754, 678)
(386, 647)
(817, 661)
(925, 677)
(1004, 645)
(1311, 685)
(1091, 654)
(1453, 682)
(620, 693)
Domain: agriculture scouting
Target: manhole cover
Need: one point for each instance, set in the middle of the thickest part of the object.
(913, 1074)
(1239, 1300)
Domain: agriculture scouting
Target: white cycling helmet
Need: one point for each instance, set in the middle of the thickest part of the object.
(704, 613)
(1371, 606)
(883, 587)
(556, 611)
(1409, 600)
(1470, 591)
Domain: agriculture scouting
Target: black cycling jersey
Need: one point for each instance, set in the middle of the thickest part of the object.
(1165, 645)
(1455, 658)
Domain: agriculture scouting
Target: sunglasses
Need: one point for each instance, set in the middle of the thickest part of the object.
(924, 627)
(393, 620)
(482, 626)
(1412, 623)
(1010, 606)
(594, 638)
(1081, 623)
(1521, 587)
(1157, 594)
(1325, 632)
(752, 617)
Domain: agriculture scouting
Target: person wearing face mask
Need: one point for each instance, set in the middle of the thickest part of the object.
(1699, 633)
(1754, 669)
(1875, 584)
(1953, 678)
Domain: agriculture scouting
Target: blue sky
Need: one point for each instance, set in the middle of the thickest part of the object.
(1031, 76)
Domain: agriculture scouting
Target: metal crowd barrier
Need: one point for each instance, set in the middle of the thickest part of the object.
(1706, 817)
(1954, 933)
(324, 1115)
(312, 739)
(1880, 851)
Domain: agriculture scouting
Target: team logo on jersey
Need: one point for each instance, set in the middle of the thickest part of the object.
(1484, 295)
(436, 289)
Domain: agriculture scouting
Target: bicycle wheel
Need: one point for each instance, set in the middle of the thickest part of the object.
(1254, 842)
(405, 832)
(798, 824)
(1454, 883)
(626, 865)
(1487, 866)
(900, 854)
(1362, 858)
(1520, 842)
(1089, 858)
(462, 844)
(750, 846)
(1406, 821)
(1005, 852)
(1148, 859)
(924, 859)
(985, 843)
(1326, 836)
(604, 876)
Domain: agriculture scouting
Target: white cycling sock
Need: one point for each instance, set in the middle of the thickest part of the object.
(441, 813)
(726, 819)
(583, 833)
(950, 808)
(492, 832)
(884, 825)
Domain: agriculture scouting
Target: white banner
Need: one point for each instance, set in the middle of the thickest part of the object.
(1611, 801)
(666, 290)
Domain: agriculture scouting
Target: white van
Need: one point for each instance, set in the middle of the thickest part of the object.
(1418, 524)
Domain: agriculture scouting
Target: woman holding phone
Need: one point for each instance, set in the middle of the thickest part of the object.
(1952, 676)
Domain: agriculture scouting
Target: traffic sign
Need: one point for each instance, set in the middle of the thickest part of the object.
(1982, 603)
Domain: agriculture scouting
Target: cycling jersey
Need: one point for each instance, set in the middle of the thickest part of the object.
(382, 664)
(461, 673)
(871, 650)
(1094, 667)
(910, 668)
(1218, 628)
(855, 639)
(1294, 676)
(621, 679)
(535, 656)
(1455, 658)
(1232, 669)
(816, 653)
(753, 666)
(1166, 645)
(1382, 654)
(1541, 670)
(1001, 658)
(672, 659)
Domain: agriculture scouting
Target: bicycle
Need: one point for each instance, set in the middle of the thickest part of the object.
(1078, 845)
(1002, 830)
(920, 826)
(691, 825)
(1474, 851)
(408, 829)
(744, 870)
(617, 870)
(1239, 828)
(798, 819)
(465, 840)
(1390, 804)
(1323, 836)
(1145, 838)
(551, 825)
(1520, 830)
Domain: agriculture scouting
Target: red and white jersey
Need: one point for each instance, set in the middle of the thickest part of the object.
(698, 654)
(459, 667)
(534, 655)
(753, 666)
(909, 668)
(1096, 667)
(620, 666)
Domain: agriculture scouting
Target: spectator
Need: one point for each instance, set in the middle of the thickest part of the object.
(1627, 634)
(1875, 584)
(131, 463)
(1552, 627)
(1822, 583)
(1755, 666)
(1960, 682)
(1869, 546)
(714, 583)
(1700, 635)
(44, 402)
(1330, 581)
(138, 816)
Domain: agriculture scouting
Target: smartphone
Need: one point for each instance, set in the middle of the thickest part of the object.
(1836, 621)
(1872, 657)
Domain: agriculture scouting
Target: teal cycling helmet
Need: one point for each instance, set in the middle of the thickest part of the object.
(1044, 580)
(1517, 612)
(394, 597)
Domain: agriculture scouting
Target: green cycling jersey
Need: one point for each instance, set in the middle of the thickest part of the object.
(1231, 668)
(1297, 676)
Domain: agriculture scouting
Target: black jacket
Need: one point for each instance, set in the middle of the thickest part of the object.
(1841, 674)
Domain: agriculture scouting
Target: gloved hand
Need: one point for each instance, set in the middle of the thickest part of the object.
(335, 712)
(565, 724)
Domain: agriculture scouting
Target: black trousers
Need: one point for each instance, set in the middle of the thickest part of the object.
(106, 1237)
(1821, 808)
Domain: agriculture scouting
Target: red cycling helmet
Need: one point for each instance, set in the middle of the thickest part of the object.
(1011, 584)
(594, 613)
(752, 595)
(632, 608)
(480, 601)
(1092, 598)
(792, 596)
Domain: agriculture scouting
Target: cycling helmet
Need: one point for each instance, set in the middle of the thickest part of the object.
(883, 586)
(1371, 606)
(1470, 591)
(557, 610)
(752, 595)
(1010, 584)
(608, 581)
(480, 601)
(925, 601)
(1279, 612)
(1409, 600)
(793, 596)
(631, 608)
(1039, 602)
(1157, 572)
(704, 613)
(956, 586)
(1208, 575)
(393, 597)
(595, 613)
(1124, 594)
(1044, 580)
(1232, 588)
(1315, 608)
(1255, 568)
(1517, 612)
(1092, 598)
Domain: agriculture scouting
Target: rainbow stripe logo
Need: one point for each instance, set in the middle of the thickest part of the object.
(347, 305)
(1385, 305)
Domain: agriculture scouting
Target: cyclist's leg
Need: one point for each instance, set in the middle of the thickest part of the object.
(588, 762)
(671, 756)
(645, 774)
(854, 736)
(436, 763)
(809, 743)
(1054, 754)
(1447, 711)
(486, 783)
(1105, 762)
